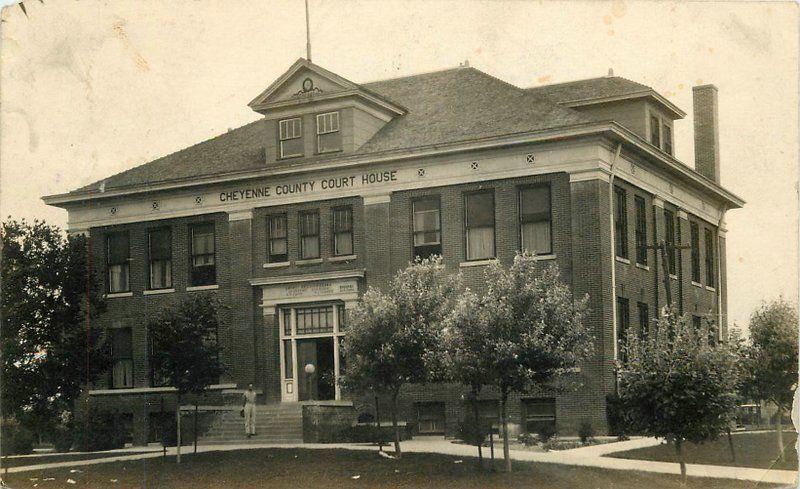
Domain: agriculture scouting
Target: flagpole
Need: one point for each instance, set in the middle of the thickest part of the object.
(308, 36)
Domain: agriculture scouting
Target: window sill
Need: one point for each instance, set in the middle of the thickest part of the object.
(697, 284)
(277, 264)
(115, 295)
(289, 157)
(197, 288)
(623, 260)
(673, 277)
(342, 258)
(477, 263)
(158, 291)
(643, 267)
(710, 289)
(312, 261)
(549, 256)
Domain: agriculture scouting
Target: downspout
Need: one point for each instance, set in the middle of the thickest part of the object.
(613, 252)
(719, 273)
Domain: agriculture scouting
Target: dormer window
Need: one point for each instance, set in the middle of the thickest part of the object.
(329, 138)
(655, 131)
(291, 137)
(667, 139)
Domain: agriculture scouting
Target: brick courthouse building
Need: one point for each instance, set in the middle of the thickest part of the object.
(289, 218)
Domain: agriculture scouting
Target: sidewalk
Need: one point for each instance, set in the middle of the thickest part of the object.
(584, 456)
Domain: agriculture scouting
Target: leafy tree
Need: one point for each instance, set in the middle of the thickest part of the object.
(50, 298)
(771, 359)
(534, 330)
(466, 340)
(677, 385)
(185, 348)
(395, 336)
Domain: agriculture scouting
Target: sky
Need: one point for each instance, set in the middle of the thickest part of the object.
(90, 88)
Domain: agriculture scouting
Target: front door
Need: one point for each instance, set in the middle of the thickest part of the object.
(316, 369)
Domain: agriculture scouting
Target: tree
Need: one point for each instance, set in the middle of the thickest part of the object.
(771, 358)
(534, 330)
(466, 340)
(185, 348)
(395, 336)
(677, 385)
(50, 298)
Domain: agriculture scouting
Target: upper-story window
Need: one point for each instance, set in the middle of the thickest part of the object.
(621, 222)
(329, 138)
(641, 230)
(669, 234)
(534, 219)
(203, 265)
(667, 139)
(118, 254)
(277, 245)
(427, 227)
(479, 223)
(694, 232)
(710, 278)
(291, 137)
(343, 231)
(309, 235)
(655, 131)
(159, 254)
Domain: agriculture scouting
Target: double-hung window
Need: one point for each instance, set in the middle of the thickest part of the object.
(291, 137)
(621, 222)
(121, 358)
(644, 318)
(277, 244)
(203, 257)
(535, 219)
(641, 230)
(159, 254)
(710, 278)
(655, 131)
(694, 231)
(669, 231)
(343, 231)
(667, 139)
(309, 235)
(329, 137)
(479, 222)
(118, 253)
(427, 227)
(623, 325)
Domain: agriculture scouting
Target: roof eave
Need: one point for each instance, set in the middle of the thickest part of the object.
(672, 108)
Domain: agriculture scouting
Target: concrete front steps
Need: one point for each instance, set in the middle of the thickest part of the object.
(275, 423)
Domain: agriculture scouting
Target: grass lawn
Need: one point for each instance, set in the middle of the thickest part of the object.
(751, 449)
(63, 457)
(299, 468)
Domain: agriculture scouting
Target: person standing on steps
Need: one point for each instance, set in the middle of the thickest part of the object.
(249, 399)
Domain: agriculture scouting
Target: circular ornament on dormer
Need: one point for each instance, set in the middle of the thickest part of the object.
(308, 85)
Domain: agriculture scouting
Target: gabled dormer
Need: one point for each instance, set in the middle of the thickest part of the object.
(311, 112)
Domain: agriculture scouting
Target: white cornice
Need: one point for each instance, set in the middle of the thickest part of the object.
(308, 277)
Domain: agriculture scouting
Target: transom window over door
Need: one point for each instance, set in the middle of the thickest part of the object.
(159, 243)
(277, 248)
(291, 137)
(343, 231)
(118, 252)
(427, 227)
(535, 220)
(479, 222)
(329, 138)
(204, 270)
(309, 235)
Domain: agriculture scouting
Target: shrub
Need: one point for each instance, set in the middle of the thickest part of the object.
(99, 430)
(62, 438)
(546, 431)
(366, 417)
(473, 433)
(586, 432)
(615, 417)
(527, 439)
(15, 439)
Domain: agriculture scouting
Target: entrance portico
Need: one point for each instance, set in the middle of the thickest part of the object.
(311, 320)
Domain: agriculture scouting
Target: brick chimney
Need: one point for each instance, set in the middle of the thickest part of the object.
(706, 131)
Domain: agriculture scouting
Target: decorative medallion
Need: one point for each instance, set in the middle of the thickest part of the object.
(529, 158)
(198, 200)
(474, 165)
(421, 172)
(113, 211)
(155, 205)
(308, 88)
